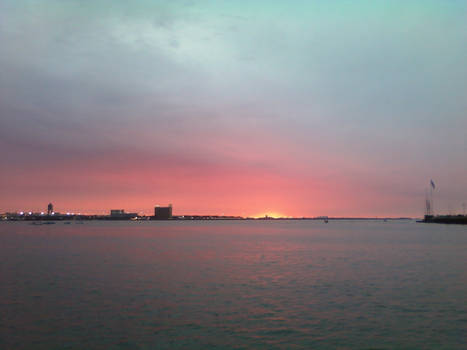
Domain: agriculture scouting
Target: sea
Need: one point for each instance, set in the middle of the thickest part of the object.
(270, 284)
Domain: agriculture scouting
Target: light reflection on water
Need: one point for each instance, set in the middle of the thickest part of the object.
(281, 284)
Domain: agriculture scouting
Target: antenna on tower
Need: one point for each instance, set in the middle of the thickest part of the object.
(432, 187)
(428, 211)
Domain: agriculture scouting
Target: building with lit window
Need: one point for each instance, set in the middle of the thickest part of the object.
(120, 214)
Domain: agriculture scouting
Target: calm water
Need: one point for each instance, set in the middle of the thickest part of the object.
(233, 285)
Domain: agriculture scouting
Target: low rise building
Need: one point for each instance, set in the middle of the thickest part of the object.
(120, 214)
(163, 213)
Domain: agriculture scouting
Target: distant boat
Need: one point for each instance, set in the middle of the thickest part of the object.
(49, 223)
(326, 220)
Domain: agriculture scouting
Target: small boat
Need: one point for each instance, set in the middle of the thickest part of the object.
(49, 223)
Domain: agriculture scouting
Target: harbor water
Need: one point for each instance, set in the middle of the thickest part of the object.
(233, 285)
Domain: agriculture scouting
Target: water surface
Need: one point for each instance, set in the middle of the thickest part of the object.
(233, 285)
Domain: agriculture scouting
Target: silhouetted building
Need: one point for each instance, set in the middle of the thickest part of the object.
(50, 209)
(163, 213)
(120, 214)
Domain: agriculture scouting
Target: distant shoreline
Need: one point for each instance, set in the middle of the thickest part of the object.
(54, 218)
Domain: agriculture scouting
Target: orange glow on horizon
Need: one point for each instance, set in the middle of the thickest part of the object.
(94, 186)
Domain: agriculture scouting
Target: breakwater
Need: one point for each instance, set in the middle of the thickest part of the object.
(446, 219)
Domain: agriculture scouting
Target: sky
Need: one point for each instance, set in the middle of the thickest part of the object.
(291, 108)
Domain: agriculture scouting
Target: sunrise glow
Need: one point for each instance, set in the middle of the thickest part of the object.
(304, 109)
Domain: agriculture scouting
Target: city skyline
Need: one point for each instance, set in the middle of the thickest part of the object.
(246, 108)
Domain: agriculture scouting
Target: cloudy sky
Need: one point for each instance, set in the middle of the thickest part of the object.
(315, 107)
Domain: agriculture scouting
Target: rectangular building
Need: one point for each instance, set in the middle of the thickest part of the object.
(163, 213)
